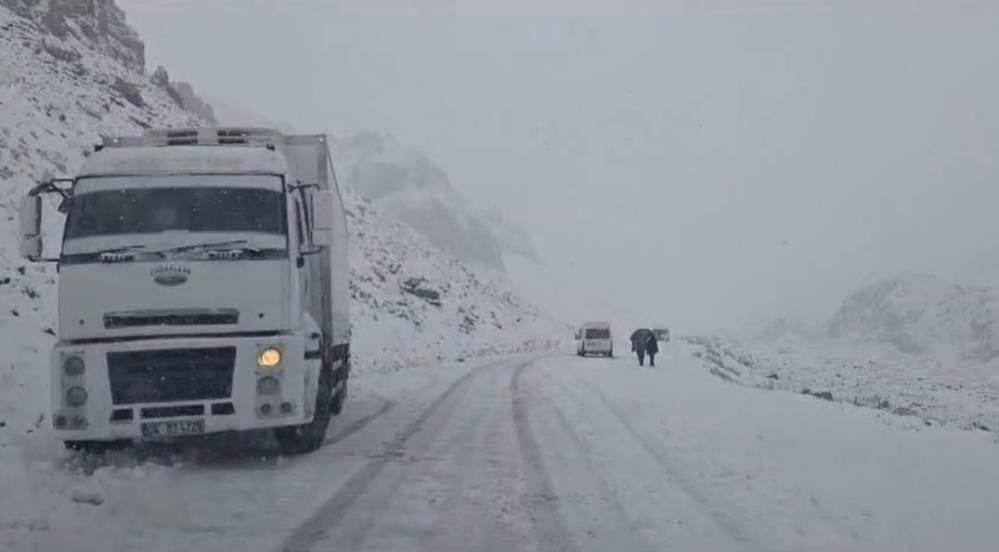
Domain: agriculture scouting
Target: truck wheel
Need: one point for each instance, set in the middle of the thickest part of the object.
(338, 399)
(309, 437)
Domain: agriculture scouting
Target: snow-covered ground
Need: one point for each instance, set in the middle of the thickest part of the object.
(541, 452)
(907, 343)
(926, 390)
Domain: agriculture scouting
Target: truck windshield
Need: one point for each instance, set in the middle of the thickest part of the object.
(152, 210)
(597, 333)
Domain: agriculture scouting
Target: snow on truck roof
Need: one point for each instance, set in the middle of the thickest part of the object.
(596, 325)
(182, 150)
(184, 159)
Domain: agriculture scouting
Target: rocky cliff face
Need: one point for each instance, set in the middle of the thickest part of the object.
(405, 183)
(101, 23)
(100, 26)
(183, 95)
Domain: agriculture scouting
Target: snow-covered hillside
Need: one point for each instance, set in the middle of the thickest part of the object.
(406, 184)
(922, 314)
(415, 305)
(910, 343)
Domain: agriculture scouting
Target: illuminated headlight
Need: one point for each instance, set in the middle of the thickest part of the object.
(268, 385)
(269, 357)
(73, 366)
(76, 396)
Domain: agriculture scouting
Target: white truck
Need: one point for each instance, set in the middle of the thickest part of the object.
(202, 288)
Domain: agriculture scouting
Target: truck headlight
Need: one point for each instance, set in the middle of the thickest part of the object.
(73, 366)
(269, 357)
(76, 396)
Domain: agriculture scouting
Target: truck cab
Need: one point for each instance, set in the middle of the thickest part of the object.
(202, 288)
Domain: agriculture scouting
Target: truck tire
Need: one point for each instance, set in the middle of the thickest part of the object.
(338, 399)
(309, 437)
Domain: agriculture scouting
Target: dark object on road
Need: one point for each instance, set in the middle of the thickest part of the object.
(827, 395)
(643, 342)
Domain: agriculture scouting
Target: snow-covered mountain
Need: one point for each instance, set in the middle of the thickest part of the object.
(230, 112)
(413, 304)
(405, 183)
(922, 314)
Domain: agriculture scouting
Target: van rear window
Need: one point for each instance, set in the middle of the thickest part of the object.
(597, 333)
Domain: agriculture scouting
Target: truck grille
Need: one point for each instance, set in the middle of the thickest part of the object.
(171, 375)
(191, 317)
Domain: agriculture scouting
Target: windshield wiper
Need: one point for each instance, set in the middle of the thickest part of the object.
(123, 253)
(242, 244)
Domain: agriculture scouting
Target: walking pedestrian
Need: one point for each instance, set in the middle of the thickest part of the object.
(643, 342)
(651, 348)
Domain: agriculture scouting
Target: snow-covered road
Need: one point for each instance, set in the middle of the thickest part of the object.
(555, 452)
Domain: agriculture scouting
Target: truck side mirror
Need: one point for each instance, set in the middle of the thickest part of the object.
(30, 214)
(323, 202)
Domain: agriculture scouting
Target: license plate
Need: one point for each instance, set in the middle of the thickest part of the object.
(155, 430)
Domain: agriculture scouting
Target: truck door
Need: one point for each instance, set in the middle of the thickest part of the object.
(301, 234)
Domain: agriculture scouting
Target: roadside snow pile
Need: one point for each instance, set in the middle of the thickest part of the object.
(879, 377)
(912, 344)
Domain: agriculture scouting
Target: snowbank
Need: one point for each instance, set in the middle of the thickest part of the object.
(926, 391)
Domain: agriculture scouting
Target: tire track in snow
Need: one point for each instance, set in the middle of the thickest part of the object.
(547, 526)
(318, 526)
(585, 453)
(359, 423)
(724, 522)
(482, 465)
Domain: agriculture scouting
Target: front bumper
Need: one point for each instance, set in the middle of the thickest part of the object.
(161, 383)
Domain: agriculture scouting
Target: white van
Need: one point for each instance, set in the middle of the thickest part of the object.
(595, 338)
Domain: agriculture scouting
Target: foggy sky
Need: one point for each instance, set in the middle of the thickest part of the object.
(710, 162)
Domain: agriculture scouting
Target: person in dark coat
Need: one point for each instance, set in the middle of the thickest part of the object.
(651, 348)
(643, 342)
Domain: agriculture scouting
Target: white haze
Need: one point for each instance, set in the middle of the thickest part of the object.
(707, 162)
